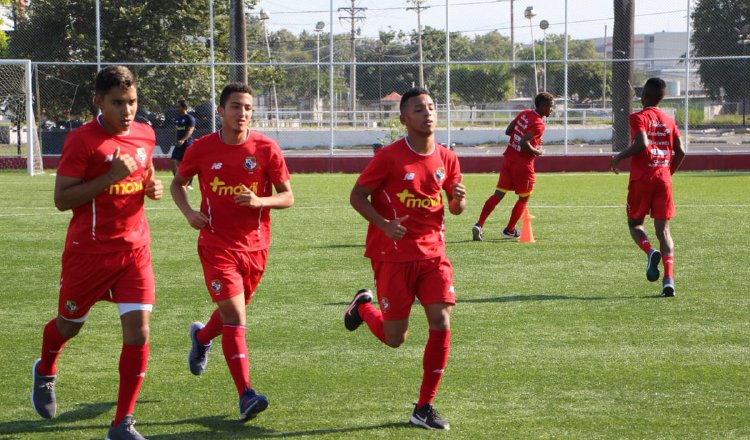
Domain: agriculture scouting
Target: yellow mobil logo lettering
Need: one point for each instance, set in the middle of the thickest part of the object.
(125, 188)
(410, 201)
(221, 188)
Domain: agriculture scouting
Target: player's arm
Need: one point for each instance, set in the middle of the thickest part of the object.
(153, 187)
(188, 132)
(678, 155)
(457, 201)
(360, 201)
(510, 128)
(72, 192)
(640, 142)
(284, 198)
(178, 189)
(527, 147)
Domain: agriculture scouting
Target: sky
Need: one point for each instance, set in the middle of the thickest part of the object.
(586, 18)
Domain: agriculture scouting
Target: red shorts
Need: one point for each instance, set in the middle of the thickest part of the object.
(654, 197)
(120, 277)
(398, 284)
(516, 177)
(228, 273)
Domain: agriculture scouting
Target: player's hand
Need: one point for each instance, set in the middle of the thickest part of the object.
(180, 142)
(122, 165)
(197, 219)
(540, 150)
(248, 198)
(394, 229)
(459, 190)
(613, 164)
(153, 187)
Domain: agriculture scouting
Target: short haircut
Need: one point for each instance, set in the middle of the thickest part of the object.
(182, 103)
(113, 76)
(654, 89)
(412, 92)
(235, 87)
(543, 98)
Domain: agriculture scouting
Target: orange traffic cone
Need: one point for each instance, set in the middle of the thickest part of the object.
(527, 235)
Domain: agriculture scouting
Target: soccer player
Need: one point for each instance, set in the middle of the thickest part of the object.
(104, 173)
(517, 172)
(237, 169)
(657, 153)
(400, 194)
(184, 124)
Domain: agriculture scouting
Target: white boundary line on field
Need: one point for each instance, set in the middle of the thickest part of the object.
(732, 206)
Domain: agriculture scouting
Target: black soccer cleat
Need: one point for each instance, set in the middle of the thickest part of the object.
(510, 234)
(352, 320)
(652, 269)
(125, 430)
(427, 417)
(668, 289)
(252, 404)
(43, 397)
(477, 234)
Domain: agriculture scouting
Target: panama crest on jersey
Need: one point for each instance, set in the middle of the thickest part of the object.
(216, 286)
(140, 154)
(440, 174)
(250, 163)
(71, 306)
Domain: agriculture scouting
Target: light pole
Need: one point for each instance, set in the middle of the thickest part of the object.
(544, 25)
(529, 14)
(264, 16)
(418, 7)
(744, 40)
(319, 26)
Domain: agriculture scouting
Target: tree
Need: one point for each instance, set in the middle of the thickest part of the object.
(717, 25)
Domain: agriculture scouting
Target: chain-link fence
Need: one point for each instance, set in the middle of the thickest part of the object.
(337, 92)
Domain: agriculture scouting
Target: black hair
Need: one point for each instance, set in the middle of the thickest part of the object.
(654, 89)
(113, 76)
(182, 103)
(412, 92)
(543, 98)
(233, 88)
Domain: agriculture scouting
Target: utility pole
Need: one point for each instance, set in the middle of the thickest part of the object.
(354, 14)
(237, 41)
(622, 72)
(419, 8)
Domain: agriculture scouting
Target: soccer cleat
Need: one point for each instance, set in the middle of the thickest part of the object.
(352, 320)
(198, 356)
(652, 269)
(125, 430)
(668, 289)
(43, 393)
(252, 404)
(477, 233)
(427, 417)
(510, 234)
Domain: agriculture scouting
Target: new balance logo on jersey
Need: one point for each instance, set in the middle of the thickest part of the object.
(409, 176)
(221, 188)
(216, 166)
(412, 201)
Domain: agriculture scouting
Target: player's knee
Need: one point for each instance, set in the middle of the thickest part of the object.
(395, 341)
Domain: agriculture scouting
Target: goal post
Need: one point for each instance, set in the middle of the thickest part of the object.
(17, 122)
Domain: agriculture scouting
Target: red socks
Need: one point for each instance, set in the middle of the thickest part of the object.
(434, 362)
(489, 206)
(668, 267)
(133, 361)
(213, 328)
(645, 245)
(515, 215)
(235, 352)
(52, 344)
(373, 318)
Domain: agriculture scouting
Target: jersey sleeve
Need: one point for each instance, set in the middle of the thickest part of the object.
(277, 170)
(189, 165)
(75, 157)
(190, 121)
(375, 172)
(637, 123)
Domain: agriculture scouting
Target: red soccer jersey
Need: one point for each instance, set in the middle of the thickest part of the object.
(408, 183)
(528, 121)
(222, 170)
(661, 131)
(114, 220)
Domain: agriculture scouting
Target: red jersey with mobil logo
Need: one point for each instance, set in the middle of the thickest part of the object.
(661, 131)
(405, 182)
(222, 170)
(114, 220)
(528, 121)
